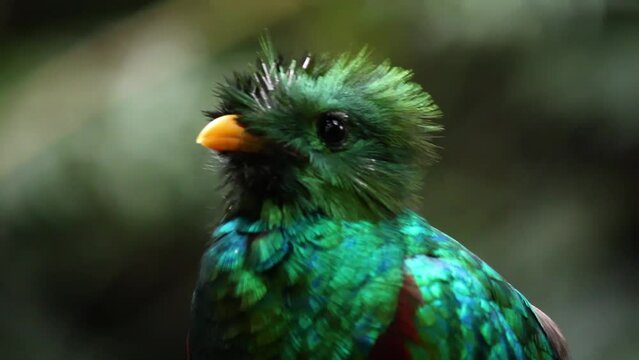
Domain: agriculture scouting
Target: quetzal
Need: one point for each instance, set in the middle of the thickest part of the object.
(319, 255)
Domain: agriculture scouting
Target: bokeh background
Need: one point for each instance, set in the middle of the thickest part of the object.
(106, 201)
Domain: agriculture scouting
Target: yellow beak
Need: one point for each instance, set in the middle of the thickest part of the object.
(225, 134)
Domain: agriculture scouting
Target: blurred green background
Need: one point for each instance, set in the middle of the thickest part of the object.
(106, 201)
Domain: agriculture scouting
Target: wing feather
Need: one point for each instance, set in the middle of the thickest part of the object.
(467, 311)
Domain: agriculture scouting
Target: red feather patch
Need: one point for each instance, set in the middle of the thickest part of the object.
(391, 344)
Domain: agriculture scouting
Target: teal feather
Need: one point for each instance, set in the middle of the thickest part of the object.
(347, 295)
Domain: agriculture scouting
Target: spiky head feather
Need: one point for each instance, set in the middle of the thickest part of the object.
(374, 173)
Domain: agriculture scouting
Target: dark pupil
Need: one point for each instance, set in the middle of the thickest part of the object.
(332, 129)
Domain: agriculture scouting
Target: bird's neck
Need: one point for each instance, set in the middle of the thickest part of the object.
(274, 213)
(270, 213)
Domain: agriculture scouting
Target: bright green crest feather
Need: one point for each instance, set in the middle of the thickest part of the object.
(373, 173)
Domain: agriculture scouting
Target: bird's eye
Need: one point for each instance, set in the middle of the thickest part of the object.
(331, 128)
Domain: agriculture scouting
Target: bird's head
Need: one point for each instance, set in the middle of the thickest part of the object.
(337, 137)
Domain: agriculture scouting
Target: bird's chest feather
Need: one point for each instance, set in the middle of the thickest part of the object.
(322, 289)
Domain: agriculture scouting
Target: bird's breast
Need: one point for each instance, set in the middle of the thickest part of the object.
(316, 291)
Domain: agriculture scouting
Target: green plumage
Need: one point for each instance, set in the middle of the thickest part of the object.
(319, 256)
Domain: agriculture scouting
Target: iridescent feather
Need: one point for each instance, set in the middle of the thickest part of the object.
(320, 257)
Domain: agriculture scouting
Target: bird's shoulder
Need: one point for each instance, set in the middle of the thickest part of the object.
(453, 305)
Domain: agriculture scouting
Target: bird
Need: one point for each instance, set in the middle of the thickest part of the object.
(320, 253)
